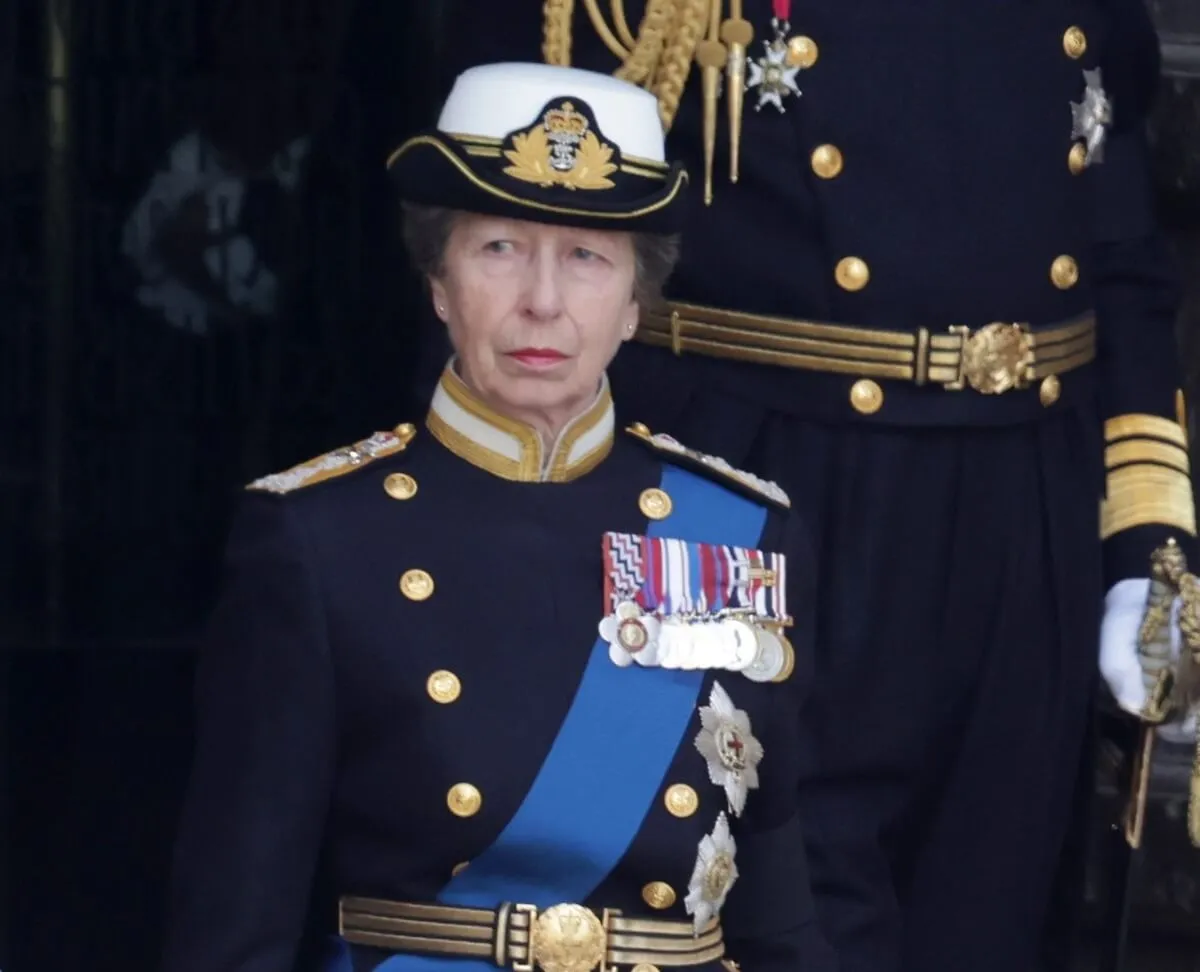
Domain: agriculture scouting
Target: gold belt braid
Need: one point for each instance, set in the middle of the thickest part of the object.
(990, 359)
(563, 938)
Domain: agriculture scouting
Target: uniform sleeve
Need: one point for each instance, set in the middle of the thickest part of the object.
(1148, 491)
(254, 814)
(770, 918)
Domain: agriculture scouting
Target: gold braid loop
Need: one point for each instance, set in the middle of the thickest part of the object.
(621, 23)
(676, 61)
(619, 50)
(556, 31)
(657, 22)
(659, 58)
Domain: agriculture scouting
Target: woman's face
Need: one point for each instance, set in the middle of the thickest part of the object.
(535, 312)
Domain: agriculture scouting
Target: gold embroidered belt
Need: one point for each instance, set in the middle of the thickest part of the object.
(991, 359)
(564, 938)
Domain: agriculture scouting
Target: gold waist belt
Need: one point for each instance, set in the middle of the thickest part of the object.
(564, 938)
(991, 359)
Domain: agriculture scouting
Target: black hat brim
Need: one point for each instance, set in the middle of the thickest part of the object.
(434, 169)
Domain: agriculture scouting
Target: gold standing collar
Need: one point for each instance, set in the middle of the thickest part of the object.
(473, 431)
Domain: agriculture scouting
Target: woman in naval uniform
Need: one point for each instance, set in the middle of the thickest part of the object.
(512, 689)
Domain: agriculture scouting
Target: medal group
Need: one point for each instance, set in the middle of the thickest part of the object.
(675, 604)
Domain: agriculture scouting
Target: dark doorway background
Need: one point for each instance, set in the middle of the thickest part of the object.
(200, 283)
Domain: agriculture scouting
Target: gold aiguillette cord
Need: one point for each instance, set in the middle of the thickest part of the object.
(710, 55)
(738, 34)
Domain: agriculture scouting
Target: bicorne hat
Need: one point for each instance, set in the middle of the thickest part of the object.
(549, 144)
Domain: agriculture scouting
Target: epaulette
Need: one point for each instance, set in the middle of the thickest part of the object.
(338, 462)
(713, 466)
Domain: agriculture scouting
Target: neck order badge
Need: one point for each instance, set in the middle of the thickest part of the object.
(774, 74)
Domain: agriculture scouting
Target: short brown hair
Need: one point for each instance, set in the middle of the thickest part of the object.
(427, 232)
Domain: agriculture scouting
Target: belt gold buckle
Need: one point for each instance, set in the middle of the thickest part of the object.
(565, 938)
(994, 359)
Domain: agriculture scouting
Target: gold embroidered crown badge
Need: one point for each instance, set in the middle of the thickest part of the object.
(561, 149)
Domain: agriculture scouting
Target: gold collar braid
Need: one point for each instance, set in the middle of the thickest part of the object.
(512, 450)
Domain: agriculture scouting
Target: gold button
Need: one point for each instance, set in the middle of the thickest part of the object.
(400, 486)
(640, 429)
(1074, 42)
(655, 504)
(802, 52)
(1064, 272)
(405, 432)
(444, 687)
(658, 895)
(681, 800)
(1050, 390)
(459, 868)
(645, 967)
(866, 396)
(827, 161)
(464, 800)
(852, 273)
(1077, 158)
(416, 585)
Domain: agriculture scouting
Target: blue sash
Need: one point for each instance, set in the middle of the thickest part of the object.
(606, 765)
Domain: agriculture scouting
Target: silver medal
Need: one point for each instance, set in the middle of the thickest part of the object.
(673, 644)
(742, 645)
(770, 658)
(706, 645)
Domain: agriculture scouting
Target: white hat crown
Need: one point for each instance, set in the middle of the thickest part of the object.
(494, 100)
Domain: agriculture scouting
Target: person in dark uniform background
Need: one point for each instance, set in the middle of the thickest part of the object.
(924, 290)
(513, 688)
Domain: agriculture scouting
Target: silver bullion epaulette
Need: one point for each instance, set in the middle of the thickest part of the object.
(771, 491)
(338, 462)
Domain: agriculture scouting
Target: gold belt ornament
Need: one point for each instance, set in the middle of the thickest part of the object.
(991, 360)
(994, 359)
(562, 938)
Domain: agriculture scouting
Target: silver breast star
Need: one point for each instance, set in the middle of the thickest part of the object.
(773, 76)
(1091, 117)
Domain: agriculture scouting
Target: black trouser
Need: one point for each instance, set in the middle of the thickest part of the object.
(960, 591)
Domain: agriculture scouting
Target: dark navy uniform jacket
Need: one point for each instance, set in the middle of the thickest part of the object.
(953, 128)
(406, 627)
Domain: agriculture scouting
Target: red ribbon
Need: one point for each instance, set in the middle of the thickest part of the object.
(783, 10)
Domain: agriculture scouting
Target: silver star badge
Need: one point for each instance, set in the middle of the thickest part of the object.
(1091, 117)
(773, 76)
(732, 752)
(714, 874)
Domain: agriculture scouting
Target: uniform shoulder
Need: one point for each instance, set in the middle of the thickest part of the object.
(337, 463)
(711, 467)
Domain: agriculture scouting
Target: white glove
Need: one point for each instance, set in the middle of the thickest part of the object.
(1124, 609)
